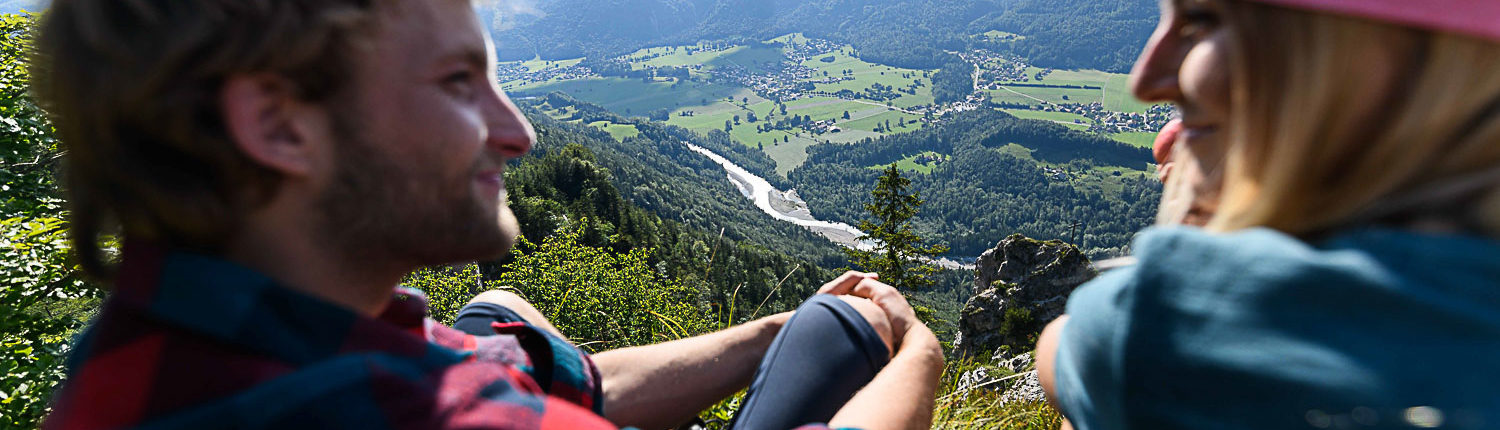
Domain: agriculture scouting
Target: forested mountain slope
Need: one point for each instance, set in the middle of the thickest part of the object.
(1071, 34)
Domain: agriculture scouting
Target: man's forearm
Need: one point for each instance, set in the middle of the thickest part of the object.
(901, 396)
(667, 384)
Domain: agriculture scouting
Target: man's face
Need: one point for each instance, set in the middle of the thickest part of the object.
(423, 138)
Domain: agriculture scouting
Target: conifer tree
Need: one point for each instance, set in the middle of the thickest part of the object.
(898, 255)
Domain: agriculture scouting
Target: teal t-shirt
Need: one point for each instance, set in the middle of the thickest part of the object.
(1371, 329)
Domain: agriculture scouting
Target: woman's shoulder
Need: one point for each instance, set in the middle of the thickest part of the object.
(1339, 320)
(1386, 259)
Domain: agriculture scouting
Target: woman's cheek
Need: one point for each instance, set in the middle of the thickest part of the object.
(1205, 76)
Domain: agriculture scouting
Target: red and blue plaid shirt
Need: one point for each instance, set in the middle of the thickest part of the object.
(189, 341)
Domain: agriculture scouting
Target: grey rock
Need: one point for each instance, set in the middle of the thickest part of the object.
(1020, 286)
(1022, 386)
(1018, 364)
(1027, 388)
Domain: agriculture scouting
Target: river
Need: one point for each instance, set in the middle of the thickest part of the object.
(759, 191)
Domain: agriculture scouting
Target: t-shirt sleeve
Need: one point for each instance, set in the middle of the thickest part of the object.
(1089, 370)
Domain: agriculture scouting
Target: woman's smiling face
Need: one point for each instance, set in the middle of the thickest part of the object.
(1186, 63)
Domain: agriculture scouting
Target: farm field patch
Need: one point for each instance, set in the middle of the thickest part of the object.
(1061, 95)
(1049, 116)
(893, 118)
(1117, 96)
(820, 108)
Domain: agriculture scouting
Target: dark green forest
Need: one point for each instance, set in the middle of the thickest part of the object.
(984, 191)
(1072, 34)
(954, 82)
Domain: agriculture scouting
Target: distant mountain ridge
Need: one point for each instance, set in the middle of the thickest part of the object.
(1066, 34)
(1102, 34)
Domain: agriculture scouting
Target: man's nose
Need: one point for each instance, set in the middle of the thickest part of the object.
(1154, 78)
(509, 131)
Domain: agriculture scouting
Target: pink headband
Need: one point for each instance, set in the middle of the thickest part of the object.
(1472, 17)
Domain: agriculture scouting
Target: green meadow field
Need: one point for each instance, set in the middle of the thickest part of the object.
(702, 106)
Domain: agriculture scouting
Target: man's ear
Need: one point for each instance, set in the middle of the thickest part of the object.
(268, 124)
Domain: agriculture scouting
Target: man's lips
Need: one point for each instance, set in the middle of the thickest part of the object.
(494, 179)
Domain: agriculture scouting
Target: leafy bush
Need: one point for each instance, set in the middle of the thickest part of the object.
(46, 302)
(1018, 322)
(448, 289)
(601, 298)
(45, 297)
(598, 298)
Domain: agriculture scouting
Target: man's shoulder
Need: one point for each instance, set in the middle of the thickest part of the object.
(129, 366)
(133, 371)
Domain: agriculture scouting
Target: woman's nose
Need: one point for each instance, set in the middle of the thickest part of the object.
(1154, 78)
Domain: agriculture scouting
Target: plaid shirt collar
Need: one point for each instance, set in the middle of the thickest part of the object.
(234, 304)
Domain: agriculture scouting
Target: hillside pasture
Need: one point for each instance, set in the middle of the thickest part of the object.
(1001, 35)
(910, 163)
(618, 131)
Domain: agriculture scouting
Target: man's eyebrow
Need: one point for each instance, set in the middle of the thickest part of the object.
(475, 57)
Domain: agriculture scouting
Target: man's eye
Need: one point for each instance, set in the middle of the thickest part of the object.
(459, 83)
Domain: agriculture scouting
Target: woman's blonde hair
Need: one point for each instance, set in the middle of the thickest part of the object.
(1335, 120)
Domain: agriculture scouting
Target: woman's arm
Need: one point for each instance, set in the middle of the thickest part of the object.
(1046, 358)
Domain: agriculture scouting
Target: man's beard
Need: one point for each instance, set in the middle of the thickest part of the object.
(379, 211)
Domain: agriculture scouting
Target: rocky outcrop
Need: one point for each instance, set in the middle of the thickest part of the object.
(1019, 286)
(1015, 380)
